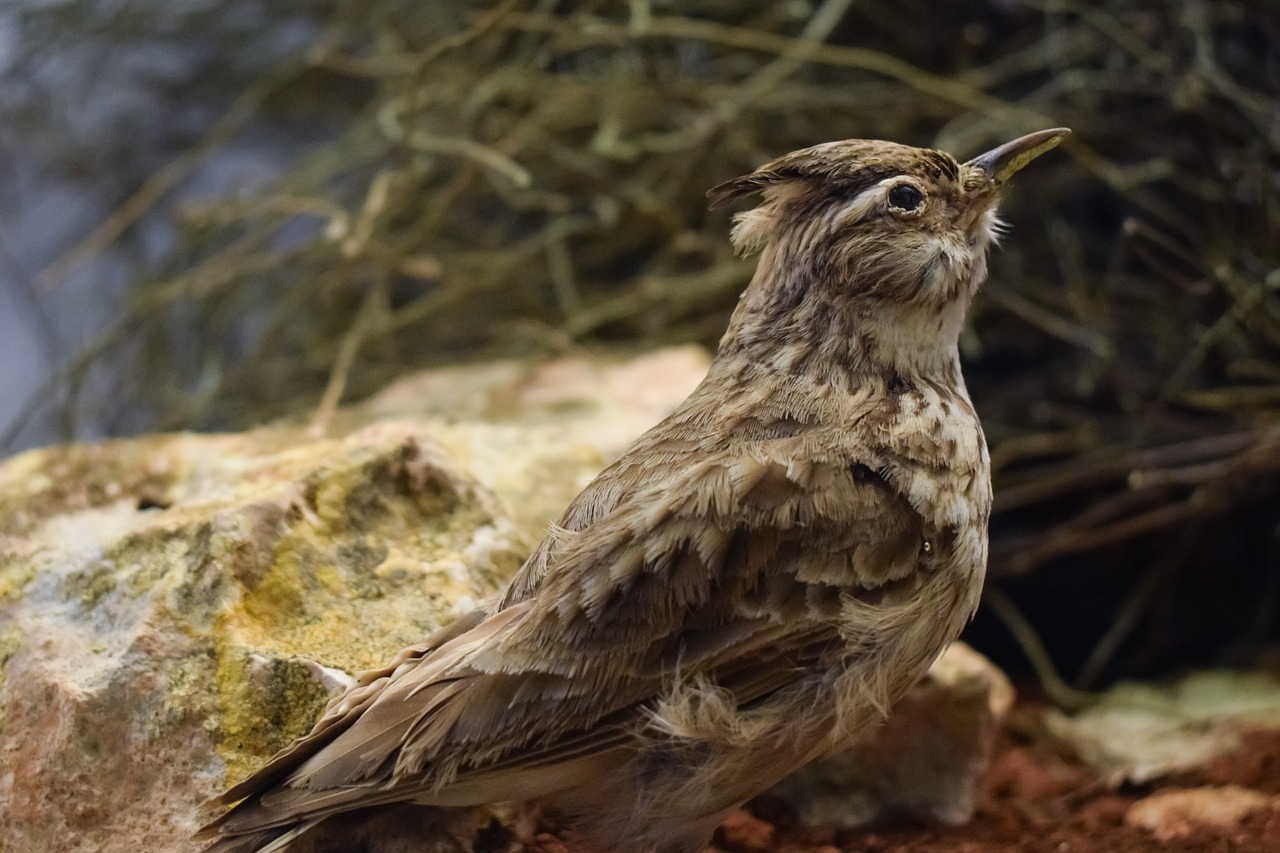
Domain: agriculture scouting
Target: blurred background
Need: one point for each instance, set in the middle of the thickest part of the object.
(216, 214)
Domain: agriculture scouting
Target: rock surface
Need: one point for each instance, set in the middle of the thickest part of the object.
(175, 608)
(1142, 732)
(926, 763)
(1180, 813)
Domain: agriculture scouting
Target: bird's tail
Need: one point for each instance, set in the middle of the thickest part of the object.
(398, 825)
(267, 841)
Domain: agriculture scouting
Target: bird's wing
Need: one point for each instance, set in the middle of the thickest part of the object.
(732, 566)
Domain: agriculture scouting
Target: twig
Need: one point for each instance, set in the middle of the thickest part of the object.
(1059, 692)
(1080, 474)
(1157, 576)
(584, 28)
(355, 337)
(146, 196)
(1072, 541)
(1087, 339)
(725, 110)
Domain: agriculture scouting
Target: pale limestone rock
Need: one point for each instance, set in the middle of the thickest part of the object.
(926, 762)
(158, 604)
(1178, 813)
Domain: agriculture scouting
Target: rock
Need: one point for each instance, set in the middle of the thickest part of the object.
(175, 608)
(927, 762)
(162, 598)
(1139, 732)
(1173, 813)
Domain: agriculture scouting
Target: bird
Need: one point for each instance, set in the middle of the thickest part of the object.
(747, 588)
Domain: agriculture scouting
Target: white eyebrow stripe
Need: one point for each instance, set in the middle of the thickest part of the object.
(854, 210)
(867, 200)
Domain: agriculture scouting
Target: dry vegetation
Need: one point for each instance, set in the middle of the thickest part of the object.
(519, 178)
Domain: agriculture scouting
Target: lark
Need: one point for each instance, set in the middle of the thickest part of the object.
(753, 583)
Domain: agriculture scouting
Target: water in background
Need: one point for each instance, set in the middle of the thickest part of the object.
(95, 97)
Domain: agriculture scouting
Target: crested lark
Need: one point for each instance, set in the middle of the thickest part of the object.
(754, 582)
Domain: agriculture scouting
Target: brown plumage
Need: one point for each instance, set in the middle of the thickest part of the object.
(753, 583)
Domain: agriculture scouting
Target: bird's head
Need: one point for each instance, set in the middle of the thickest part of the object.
(886, 240)
(888, 221)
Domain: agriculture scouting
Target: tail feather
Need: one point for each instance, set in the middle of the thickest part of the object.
(268, 841)
(284, 814)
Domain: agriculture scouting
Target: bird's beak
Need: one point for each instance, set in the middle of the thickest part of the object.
(999, 164)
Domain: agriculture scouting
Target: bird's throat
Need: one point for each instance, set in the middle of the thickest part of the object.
(833, 336)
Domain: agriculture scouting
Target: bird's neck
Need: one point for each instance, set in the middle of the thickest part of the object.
(788, 325)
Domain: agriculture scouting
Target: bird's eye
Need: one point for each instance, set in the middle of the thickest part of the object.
(905, 197)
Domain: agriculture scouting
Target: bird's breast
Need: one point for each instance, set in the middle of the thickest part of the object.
(936, 456)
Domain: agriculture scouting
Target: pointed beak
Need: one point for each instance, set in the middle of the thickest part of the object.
(999, 164)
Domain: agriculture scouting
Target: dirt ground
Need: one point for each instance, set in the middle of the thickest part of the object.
(1038, 802)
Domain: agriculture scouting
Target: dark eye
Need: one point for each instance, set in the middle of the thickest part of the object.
(905, 197)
